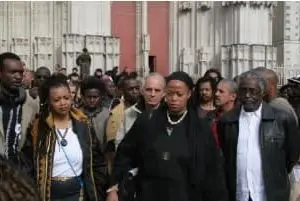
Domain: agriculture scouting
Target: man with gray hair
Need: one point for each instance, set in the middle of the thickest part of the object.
(260, 145)
(225, 98)
(153, 92)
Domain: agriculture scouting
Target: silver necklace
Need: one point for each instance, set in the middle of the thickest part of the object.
(178, 121)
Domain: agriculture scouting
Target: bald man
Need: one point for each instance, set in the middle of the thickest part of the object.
(271, 97)
(153, 90)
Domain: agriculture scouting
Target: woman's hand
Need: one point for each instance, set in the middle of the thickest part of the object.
(112, 196)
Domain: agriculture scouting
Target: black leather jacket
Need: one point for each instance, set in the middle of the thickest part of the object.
(279, 145)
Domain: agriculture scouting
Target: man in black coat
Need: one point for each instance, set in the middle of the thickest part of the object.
(260, 145)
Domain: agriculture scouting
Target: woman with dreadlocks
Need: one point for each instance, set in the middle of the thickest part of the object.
(174, 152)
(69, 164)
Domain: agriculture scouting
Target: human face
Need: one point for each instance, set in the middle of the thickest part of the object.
(153, 91)
(206, 92)
(60, 100)
(91, 98)
(177, 96)
(27, 79)
(33, 92)
(41, 76)
(98, 74)
(74, 79)
(12, 74)
(131, 91)
(110, 88)
(73, 92)
(250, 94)
(64, 72)
(223, 95)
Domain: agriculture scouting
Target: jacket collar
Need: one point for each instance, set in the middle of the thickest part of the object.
(140, 106)
(76, 114)
(267, 113)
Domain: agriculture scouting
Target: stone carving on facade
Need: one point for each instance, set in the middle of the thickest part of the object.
(233, 3)
(204, 5)
(185, 6)
(250, 3)
(3, 45)
(146, 43)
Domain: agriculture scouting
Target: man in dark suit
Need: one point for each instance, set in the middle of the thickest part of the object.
(260, 145)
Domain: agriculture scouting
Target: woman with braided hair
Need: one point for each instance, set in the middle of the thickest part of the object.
(69, 164)
(174, 152)
(15, 185)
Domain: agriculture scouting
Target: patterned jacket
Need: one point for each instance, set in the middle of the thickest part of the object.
(94, 171)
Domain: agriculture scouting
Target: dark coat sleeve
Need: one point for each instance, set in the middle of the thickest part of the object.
(214, 188)
(126, 155)
(99, 168)
(292, 142)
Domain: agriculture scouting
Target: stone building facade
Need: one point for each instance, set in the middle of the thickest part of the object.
(154, 36)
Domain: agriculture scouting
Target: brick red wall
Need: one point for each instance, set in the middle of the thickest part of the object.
(158, 28)
(123, 23)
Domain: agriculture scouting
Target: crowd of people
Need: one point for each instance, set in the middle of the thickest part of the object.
(118, 137)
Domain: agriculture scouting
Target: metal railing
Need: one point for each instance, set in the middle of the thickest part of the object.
(286, 72)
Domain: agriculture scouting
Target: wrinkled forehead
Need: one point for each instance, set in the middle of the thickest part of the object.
(155, 82)
(249, 83)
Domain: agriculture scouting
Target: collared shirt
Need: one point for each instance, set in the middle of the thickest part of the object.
(130, 115)
(249, 165)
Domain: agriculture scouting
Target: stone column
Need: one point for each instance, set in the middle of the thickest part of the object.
(173, 39)
(146, 39)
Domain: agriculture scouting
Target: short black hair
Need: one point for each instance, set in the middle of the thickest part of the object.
(92, 82)
(126, 77)
(7, 55)
(98, 70)
(213, 70)
(62, 69)
(75, 68)
(84, 50)
(43, 68)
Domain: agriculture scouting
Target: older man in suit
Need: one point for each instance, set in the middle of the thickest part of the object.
(260, 145)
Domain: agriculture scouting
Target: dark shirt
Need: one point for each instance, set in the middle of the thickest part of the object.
(10, 120)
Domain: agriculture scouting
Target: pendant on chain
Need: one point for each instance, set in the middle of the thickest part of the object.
(64, 142)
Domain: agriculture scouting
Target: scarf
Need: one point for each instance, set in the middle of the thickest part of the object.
(12, 113)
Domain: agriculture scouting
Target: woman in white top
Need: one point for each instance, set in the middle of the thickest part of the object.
(69, 164)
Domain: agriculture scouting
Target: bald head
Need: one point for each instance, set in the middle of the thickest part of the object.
(271, 80)
(154, 89)
(268, 74)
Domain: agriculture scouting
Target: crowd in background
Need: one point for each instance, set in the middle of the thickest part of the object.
(117, 136)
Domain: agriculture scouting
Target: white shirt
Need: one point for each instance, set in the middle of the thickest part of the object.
(61, 167)
(249, 166)
(130, 115)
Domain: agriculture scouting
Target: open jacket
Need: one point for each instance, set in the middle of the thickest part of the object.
(114, 122)
(204, 175)
(29, 111)
(94, 171)
(279, 140)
